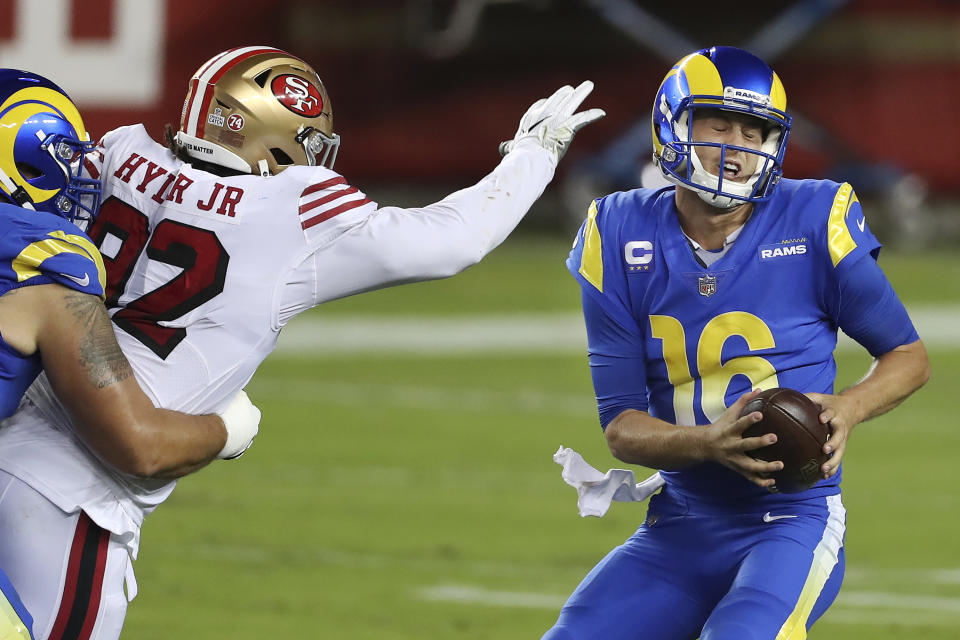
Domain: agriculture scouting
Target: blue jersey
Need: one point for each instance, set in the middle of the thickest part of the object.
(39, 248)
(687, 340)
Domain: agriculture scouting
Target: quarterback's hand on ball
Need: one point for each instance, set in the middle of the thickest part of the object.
(241, 418)
(838, 413)
(725, 443)
(552, 123)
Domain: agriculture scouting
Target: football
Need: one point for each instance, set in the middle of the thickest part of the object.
(794, 418)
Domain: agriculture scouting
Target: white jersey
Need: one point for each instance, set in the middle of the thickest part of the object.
(204, 271)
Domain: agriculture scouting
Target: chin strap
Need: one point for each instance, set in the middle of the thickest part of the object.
(16, 193)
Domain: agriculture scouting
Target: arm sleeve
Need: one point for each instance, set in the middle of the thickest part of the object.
(617, 362)
(615, 342)
(394, 246)
(860, 298)
(870, 311)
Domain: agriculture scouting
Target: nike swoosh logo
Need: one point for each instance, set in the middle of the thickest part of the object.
(769, 518)
(860, 223)
(82, 283)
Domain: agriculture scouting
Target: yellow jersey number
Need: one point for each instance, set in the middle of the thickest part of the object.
(712, 373)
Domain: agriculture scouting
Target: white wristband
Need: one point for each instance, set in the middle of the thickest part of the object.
(242, 421)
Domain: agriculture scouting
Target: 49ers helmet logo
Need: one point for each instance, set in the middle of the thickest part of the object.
(298, 95)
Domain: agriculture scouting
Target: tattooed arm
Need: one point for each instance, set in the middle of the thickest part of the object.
(94, 381)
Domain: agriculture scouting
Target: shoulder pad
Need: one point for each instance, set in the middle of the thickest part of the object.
(63, 255)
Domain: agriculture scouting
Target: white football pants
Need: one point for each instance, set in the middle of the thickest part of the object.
(68, 571)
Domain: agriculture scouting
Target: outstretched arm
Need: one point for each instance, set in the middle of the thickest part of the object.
(395, 245)
(94, 381)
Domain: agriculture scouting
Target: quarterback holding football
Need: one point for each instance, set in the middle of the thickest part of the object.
(696, 297)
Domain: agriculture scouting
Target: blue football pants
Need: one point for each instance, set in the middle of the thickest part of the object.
(687, 574)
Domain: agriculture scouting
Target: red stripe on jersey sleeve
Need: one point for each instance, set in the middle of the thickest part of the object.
(322, 186)
(326, 215)
(327, 198)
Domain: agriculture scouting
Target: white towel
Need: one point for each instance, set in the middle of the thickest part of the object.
(595, 490)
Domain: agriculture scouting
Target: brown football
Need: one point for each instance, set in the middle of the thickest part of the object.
(795, 419)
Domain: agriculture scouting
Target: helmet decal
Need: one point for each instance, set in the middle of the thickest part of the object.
(235, 122)
(257, 110)
(698, 76)
(298, 94)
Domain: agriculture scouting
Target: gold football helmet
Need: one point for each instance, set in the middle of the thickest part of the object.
(257, 110)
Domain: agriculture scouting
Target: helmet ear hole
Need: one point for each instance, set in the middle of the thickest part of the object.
(261, 78)
(28, 171)
(280, 156)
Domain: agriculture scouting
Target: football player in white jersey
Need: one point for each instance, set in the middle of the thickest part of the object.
(212, 243)
(52, 316)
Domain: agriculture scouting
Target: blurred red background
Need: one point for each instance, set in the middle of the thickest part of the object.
(879, 78)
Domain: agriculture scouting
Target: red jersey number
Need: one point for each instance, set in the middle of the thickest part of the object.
(197, 251)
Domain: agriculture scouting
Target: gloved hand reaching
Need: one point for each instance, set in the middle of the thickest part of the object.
(552, 123)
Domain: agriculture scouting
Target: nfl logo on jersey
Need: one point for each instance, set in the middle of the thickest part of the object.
(707, 285)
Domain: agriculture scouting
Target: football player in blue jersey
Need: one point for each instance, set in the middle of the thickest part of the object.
(695, 297)
(52, 314)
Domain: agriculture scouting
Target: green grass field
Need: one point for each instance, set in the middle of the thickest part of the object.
(396, 496)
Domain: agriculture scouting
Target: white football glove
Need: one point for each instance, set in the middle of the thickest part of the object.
(552, 123)
(242, 421)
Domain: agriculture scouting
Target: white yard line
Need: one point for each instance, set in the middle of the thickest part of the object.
(887, 617)
(945, 576)
(412, 396)
(499, 334)
(309, 555)
(904, 601)
(476, 595)
(435, 335)
(851, 607)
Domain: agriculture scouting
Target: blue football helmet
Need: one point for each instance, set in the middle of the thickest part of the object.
(729, 79)
(42, 144)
